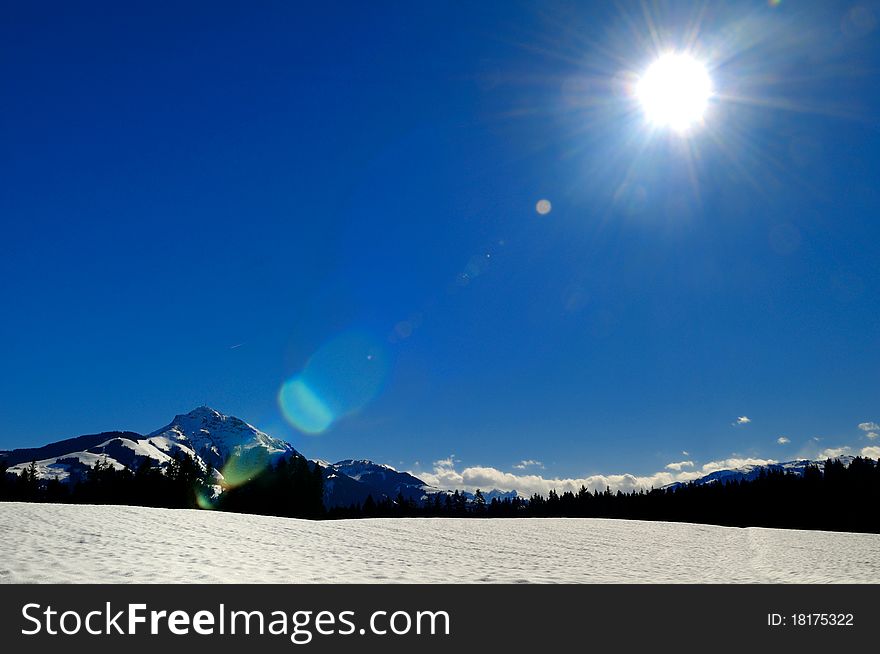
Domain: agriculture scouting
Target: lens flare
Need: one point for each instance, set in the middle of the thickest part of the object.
(543, 207)
(242, 466)
(338, 380)
(204, 500)
(302, 407)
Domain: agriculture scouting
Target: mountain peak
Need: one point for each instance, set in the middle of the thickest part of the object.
(203, 411)
(364, 463)
(214, 436)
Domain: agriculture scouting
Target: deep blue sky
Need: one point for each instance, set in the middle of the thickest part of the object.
(197, 197)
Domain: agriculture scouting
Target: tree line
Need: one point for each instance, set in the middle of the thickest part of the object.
(835, 497)
(840, 498)
(289, 487)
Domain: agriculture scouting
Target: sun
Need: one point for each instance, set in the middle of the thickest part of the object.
(674, 92)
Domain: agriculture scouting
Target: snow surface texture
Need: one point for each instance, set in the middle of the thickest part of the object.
(115, 544)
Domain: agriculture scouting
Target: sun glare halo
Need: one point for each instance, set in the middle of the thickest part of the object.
(674, 92)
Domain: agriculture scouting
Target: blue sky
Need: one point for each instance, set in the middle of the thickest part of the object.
(200, 200)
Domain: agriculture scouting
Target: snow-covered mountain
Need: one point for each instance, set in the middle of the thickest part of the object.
(751, 472)
(80, 443)
(69, 459)
(213, 439)
(208, 436)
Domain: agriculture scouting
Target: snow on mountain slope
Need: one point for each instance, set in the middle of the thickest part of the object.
(204, 434)
(54, 543)
(63, 468)
(214, 437)
(60, 448)
(751, 472)
(116, 451)
(384, 480)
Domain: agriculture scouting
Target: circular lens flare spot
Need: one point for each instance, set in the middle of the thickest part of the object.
(674, 92)
(204, 500)
(303, 408)
(543, 207)
(338, 380)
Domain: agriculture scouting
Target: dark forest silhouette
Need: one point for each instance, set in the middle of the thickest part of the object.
(291, 487)
(836, 498)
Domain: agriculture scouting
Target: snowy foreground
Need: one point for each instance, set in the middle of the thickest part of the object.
(68, 543)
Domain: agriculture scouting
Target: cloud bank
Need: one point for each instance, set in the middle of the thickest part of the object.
(448, 474)
(445, 474)
(834, 452)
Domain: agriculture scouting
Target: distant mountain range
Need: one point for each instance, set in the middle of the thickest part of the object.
(751, 472)
(214, 439)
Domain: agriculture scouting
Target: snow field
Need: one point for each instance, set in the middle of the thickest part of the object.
(122, 544)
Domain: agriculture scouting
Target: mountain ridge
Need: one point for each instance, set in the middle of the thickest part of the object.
(753, 471)
(212, 438)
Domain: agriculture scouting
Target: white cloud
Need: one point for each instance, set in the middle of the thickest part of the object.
(475, 477)
(679, 465)
(528, 463)
(871, 435)
(735, 462)
(782, 440)
(872, 452)
(685, 453)
(446, 476)
(834, 452)
(869, 426)
(742, 420)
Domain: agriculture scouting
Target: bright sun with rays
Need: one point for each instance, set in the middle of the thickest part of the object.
(674, 92)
